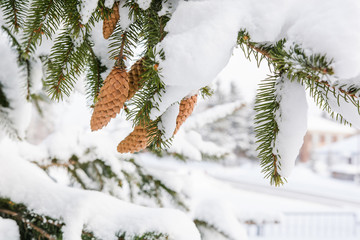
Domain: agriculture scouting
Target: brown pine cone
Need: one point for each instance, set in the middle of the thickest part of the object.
(134, 77)
(110, 21)
(186, 108)
(112, 97)
(135, 141)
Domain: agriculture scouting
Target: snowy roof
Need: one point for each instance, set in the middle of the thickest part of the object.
(347, 146)
(319, 124)
(345, 168)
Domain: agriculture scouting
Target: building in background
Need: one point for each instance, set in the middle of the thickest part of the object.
(322, 132)
(342, 158)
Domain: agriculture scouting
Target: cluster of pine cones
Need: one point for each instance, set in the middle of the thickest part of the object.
(119, 87)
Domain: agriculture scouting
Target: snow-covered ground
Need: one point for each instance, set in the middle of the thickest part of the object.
(309, 206)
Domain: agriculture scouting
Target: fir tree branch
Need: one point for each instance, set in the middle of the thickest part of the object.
(5, 122)
(43, 18)
(14, 43)
(14, 13)
(266, 129)
(267, 52)
(34, 226)
(145, 236)
(3, 99)
(94, 79)
(310, 70)
(66, 63)
(295, 65)
(24, 63)
(73, 19)
(144, 100)
(154, 25)
(28, 80)
(148, 30)
(57, 77)
(19, 217)
(206, 92)
(153, 187)
(95, 170)
(120, 58)
(31, 225)
(200, 223)
(123, 42)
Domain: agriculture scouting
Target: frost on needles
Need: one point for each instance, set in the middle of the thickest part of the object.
(182, 46)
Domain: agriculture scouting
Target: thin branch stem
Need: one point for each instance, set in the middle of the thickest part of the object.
(19, 217)
(15, 10)
(38, 29)
(120, 59)
(270, 57)
(98, 74)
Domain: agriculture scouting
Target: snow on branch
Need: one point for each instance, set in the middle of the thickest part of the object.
(96, 212)
(281, 124)
(213, 114)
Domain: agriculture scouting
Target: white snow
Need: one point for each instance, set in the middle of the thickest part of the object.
(9, 230)
(302, 184)
(168, 7)
(101, 214)
(213, 114)
(14, 86)
(125, 21)
(324, 36)
(192, 64)
(168, 121)
(183, 145)
(36, 76)
(219, 194)
(170, 95)
(144, 4)
(217, 210)
(189, 62)
(191, 145)
(292, 123)
(86, 8)
(109, 3)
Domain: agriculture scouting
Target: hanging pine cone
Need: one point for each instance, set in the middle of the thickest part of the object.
(134, 77)
(110, 21)
(186, 108)
(112, 96)
(135, 141)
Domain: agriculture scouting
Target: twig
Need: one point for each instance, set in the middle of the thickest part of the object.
(325, 70)
(18, 216)
(120, 59)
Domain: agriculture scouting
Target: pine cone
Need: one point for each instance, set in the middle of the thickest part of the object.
(135, 141)
(110, 21)
(112, 96)
(134, 77)
(186, 108)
